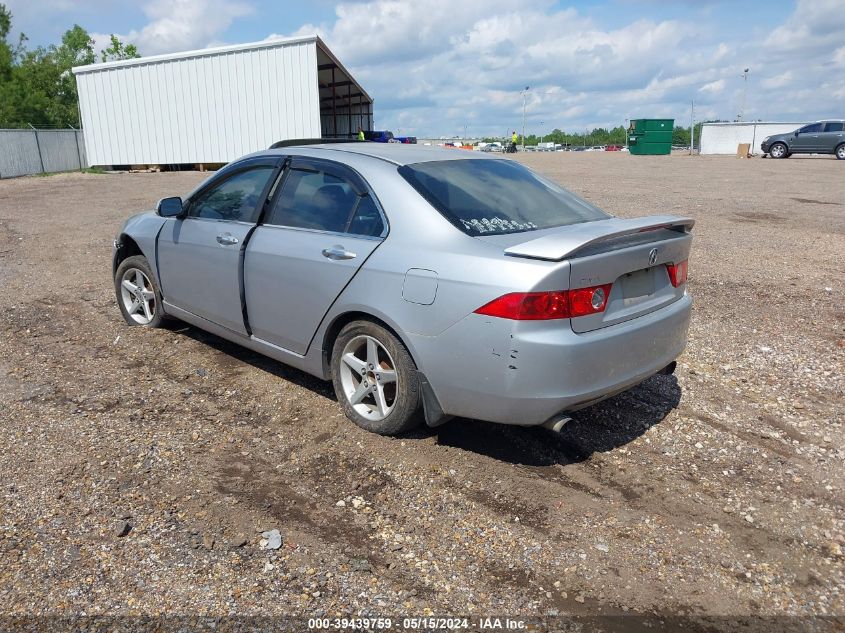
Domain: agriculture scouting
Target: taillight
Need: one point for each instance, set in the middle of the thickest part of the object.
(677, 273)
(543, 306)
(529, 306)
(584, 301)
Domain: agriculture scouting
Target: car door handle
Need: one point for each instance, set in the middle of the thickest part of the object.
(338, 252)
(226, 239)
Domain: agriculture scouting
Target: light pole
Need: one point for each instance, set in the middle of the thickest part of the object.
(543, 137)
(524, 94)
(744, 93)
(692, 127)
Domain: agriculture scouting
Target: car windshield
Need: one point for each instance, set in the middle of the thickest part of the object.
(496, 196)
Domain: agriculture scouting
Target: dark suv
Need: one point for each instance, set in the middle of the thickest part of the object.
(822, 137)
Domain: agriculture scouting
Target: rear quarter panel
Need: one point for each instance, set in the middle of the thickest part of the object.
(469, 272)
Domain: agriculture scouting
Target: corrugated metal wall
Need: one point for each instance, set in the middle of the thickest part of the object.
(25, 152)
(209, 108)
(723, 138)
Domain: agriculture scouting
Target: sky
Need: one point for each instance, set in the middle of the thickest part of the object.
(446, 67)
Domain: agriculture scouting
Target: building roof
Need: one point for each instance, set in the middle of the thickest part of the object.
(329, 69)
(201, 52)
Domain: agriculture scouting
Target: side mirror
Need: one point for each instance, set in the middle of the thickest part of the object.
(797, 133)
(169, 207)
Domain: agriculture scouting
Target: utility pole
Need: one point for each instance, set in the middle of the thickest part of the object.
(744, 93)
(524, 94)
(691, 127)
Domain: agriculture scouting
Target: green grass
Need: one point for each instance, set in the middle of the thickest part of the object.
(85, 170)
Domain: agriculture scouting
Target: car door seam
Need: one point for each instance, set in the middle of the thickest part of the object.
(273, 185)
(334, 301)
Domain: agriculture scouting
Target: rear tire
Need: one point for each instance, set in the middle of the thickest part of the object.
(840, 152)
(778, 150)
(375, 379)
(137, 292)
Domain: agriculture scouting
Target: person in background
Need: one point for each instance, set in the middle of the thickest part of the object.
(360, 134)
(514, 139)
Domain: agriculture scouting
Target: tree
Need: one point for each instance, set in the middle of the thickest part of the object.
(37, 87)
(118, 50)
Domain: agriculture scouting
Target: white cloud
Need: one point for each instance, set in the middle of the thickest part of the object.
(714, 87)
(815, 25)
(441, 64)
(437, 65)
(178, 25)
(778, 81)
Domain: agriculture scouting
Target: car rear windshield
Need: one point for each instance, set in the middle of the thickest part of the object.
(493, 197)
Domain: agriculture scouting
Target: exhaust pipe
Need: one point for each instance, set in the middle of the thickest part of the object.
(669, 369)
(557, 423)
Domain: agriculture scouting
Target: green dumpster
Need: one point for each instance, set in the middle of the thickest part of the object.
(650, 136)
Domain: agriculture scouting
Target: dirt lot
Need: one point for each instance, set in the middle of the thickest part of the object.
(140, 467)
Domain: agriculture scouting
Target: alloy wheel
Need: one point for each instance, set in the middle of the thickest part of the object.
(368, 376)
(138, 296)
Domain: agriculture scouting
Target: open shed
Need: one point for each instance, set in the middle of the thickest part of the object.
(216, 104)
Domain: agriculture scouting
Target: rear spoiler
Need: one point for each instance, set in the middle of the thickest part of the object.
(571, 239)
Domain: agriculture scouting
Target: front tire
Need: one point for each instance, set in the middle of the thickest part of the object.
(375, 379)
(778, 150)
(137, 292)
(840, 152)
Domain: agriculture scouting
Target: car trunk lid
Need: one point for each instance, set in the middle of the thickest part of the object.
(632, 255)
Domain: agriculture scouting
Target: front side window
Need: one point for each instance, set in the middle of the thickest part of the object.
(815, 127)
(492, 197)
(237, 198)
(834, 126)
(314, 199)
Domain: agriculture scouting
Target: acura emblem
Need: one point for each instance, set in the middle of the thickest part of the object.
(652, 257)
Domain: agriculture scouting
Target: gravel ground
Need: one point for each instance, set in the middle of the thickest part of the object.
(143, 471)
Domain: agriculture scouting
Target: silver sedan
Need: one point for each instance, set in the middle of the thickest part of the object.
(425, 283)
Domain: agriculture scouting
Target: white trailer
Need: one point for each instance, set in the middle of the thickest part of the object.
(723, 138)
(216, 104)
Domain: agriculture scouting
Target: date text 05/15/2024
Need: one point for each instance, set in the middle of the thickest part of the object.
(416, 623)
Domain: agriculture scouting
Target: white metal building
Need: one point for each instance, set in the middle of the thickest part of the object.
(216, 104)
(723, 138)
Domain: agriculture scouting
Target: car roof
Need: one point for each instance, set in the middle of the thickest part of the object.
(397, 153)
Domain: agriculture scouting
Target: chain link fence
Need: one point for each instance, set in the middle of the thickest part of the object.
(25, 152)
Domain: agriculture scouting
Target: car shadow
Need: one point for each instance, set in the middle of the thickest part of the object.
(231, 354)
(597, 429)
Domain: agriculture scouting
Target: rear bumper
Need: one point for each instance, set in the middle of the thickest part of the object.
(525, 372)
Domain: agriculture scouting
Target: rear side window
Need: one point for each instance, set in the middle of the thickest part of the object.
(313, 199)
(492, 197)
(367, 219)
(834, 126)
